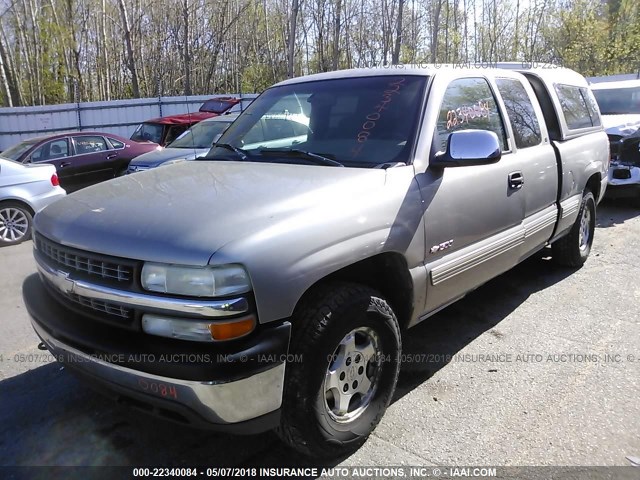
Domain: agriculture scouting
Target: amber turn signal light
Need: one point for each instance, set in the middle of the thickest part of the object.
(232, 329)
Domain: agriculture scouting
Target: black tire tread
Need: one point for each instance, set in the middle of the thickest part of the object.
(564, 249)
(311, 324)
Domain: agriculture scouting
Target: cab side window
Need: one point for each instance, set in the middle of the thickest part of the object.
(469, 103)
(524, 122)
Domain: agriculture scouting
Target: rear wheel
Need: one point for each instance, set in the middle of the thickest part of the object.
(15, 223)
(348, 341)
(573, 249)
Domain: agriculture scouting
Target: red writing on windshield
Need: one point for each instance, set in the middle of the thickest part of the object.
(393, 88)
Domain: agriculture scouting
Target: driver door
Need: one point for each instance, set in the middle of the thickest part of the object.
(474, 216)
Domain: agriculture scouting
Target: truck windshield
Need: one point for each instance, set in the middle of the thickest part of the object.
(357, 122)
(201, 135)
(618, 100)
(148, 132)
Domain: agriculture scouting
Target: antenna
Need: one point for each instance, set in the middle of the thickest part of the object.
(186, 99)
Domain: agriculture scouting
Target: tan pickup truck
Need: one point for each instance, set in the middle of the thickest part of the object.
(267, 287)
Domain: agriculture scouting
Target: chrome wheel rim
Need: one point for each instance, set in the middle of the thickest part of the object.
(353, 374)
(14, 224)
(585, 229)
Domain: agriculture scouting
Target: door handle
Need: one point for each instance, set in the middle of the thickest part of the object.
(65, 164)
(516, 180)
(113, 155)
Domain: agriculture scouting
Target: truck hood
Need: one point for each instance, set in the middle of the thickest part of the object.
(186, 212)
(158, 157)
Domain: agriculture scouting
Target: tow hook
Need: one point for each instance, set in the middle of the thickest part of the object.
(42, 346)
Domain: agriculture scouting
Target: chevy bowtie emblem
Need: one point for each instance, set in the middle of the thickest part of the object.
(62, 281)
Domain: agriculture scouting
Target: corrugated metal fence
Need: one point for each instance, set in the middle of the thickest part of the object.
(119, 116)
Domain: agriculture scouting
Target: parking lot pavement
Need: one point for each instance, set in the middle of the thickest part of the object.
(540, 366)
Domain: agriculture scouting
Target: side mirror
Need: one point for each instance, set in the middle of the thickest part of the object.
(27, 159)
(469, 147)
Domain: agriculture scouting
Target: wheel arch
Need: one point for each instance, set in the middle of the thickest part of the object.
(20, 201)
(387, 273)
(594, 185)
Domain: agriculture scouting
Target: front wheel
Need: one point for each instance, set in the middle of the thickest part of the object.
(15, 223)
(573, 249)
(347, 342)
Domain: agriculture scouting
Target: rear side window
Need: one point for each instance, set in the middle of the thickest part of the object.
(592, 106)
(524, 122)
(116, 143)
(469, 103)
(89, 144)
(574, 107)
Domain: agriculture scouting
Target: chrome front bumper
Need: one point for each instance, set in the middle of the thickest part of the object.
(217, 403)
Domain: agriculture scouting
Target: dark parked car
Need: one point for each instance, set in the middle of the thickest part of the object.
(165, 130)
(81, 158)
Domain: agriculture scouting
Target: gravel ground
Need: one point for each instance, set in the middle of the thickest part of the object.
(540, 366)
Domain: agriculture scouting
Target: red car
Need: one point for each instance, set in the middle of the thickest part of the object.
(165, 130)
(81, 158)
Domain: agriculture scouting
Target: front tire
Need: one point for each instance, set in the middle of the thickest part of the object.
(573, 249)
(348, 342)
(15, 223)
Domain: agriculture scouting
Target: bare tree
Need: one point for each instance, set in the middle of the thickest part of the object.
(291, 41)
(337, 25)
(395, 58)
(131, 62)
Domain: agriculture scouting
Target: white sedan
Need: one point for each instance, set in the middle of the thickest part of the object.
(24, 190)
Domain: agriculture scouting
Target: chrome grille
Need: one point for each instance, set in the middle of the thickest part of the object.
(84, 262)
(112, 310)
(100, 305)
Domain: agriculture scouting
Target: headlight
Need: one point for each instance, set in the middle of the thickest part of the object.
(195, 281)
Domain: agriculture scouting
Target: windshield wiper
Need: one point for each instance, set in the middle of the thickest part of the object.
(294, 152)
(241, 153)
